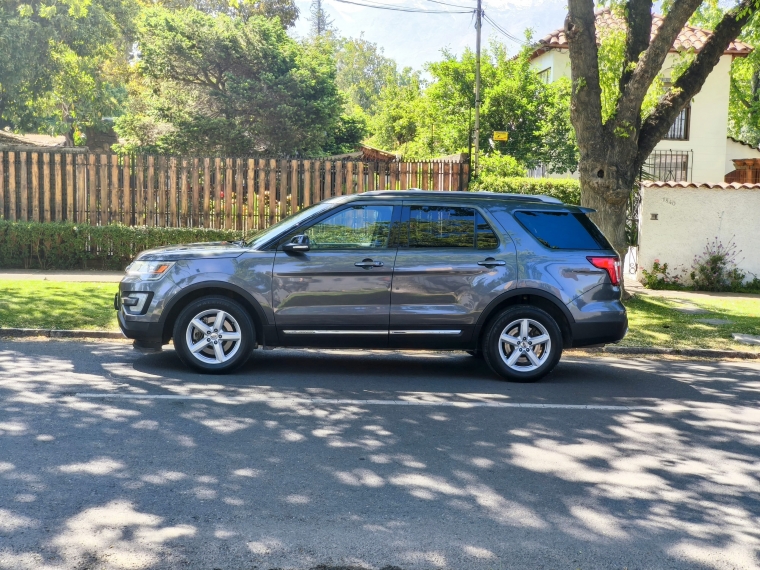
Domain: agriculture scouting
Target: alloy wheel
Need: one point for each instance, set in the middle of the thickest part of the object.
(524, 345)
(213, 336)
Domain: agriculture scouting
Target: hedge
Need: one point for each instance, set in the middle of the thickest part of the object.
(62, 245)
(566, 189)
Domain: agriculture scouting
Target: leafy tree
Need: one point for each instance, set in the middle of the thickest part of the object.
(62, 63)
(285, 10)
(613, 151)
(362, 71)
(424, 121)
(232, 86)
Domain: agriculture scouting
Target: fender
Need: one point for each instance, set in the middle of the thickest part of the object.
(524, 291)
(183, 293)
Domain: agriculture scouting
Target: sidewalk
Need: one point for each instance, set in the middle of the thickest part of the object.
(87, 276)
(633, 286)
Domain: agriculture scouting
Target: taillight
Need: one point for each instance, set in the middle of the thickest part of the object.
(610, 264)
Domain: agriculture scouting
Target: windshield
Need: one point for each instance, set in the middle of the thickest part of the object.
(287, 224)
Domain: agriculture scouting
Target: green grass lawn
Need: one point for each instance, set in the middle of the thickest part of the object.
(57, 305)
(653, 321)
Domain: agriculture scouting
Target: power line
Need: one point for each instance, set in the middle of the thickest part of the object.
(471, 8)
(503, 31)
(401, 9)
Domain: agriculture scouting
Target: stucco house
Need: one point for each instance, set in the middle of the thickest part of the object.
(697, 147)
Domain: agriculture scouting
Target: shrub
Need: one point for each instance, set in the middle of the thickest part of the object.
(566, 189)
(63, 245)
(716, 268)
(497, 165)
(659, 278)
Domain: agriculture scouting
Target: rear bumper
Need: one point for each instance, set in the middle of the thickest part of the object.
(599, 332)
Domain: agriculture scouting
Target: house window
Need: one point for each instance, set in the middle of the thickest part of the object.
(679, 130)
(545, 75)
(668, 165)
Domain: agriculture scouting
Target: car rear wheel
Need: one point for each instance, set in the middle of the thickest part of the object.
(522, 344)
(214, 335)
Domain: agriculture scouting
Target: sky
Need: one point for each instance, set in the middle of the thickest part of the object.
(413, 39)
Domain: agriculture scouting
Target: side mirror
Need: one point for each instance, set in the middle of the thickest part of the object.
(299, 244)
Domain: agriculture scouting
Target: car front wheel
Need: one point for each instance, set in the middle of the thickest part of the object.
(522, 344)
(214, 335)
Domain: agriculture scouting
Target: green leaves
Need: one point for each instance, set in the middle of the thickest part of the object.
(216, 84)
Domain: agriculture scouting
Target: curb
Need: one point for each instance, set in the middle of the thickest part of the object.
(55, 333)
(702, 352)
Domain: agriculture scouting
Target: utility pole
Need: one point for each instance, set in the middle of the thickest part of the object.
(478, 25)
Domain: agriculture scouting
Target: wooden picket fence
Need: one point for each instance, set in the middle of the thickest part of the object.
(229, 193)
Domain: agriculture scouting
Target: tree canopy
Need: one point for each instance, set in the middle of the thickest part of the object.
(227, 85)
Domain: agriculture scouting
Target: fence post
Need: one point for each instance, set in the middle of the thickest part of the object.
(306, 183)
(251, 193)
(194, 219)
(46, 197)
(58, 173)
(206, 191)
(151, 205)
(239, 178)
(294, 184)
(81, 169)
(261, 196)
(24, 187)
(184, 195)
(93, 189)
(272, 191)
(171, 194)
(12, 186)
(69, 188)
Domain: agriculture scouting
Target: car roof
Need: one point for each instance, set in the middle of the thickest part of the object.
(417, 194)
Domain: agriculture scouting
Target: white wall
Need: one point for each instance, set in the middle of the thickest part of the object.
(689, 217)
(735, 150)
(709, 123)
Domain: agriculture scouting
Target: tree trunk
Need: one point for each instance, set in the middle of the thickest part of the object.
(606, 189)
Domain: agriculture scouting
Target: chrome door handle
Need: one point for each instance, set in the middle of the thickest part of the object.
(368, 264)
(490, 261)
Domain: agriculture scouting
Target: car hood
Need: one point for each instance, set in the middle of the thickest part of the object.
(213, 249)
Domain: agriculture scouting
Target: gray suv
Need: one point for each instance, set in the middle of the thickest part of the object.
(511, 278)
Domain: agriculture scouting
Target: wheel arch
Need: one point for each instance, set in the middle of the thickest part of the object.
(526, 296)
(205, 289)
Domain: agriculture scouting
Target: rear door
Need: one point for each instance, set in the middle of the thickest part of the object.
(338, 292)
(449, 266)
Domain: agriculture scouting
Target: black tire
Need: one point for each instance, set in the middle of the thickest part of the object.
(546, 352)
(205, 359)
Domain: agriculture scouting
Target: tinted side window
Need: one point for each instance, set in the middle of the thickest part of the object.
(356, 227)
(441, 226)
(563, 230)
(486, 238)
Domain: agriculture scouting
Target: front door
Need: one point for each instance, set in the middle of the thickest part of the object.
(338, 292)
(448, 269)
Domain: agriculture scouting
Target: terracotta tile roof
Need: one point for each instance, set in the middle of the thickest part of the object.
(689, 38)
(708, 185)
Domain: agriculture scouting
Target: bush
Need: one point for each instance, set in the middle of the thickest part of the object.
(659, 278)
(63, 245)
(716, 269)
(566, 189)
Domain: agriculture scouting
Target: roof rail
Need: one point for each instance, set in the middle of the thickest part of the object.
(460, 194)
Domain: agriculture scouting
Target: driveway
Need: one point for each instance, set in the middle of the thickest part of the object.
(110, 459)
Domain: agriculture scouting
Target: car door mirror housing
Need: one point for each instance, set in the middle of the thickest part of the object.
(298, 244)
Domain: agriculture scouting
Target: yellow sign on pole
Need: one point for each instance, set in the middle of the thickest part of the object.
(502, 136)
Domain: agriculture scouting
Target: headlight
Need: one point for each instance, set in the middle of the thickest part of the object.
(149, 270)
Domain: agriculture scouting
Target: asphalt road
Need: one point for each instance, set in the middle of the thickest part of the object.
(345, 458)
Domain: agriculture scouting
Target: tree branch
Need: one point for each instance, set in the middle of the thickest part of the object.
(650, 63)
(690, 83)
(738, 93)
(639, 23)
(585, 106)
